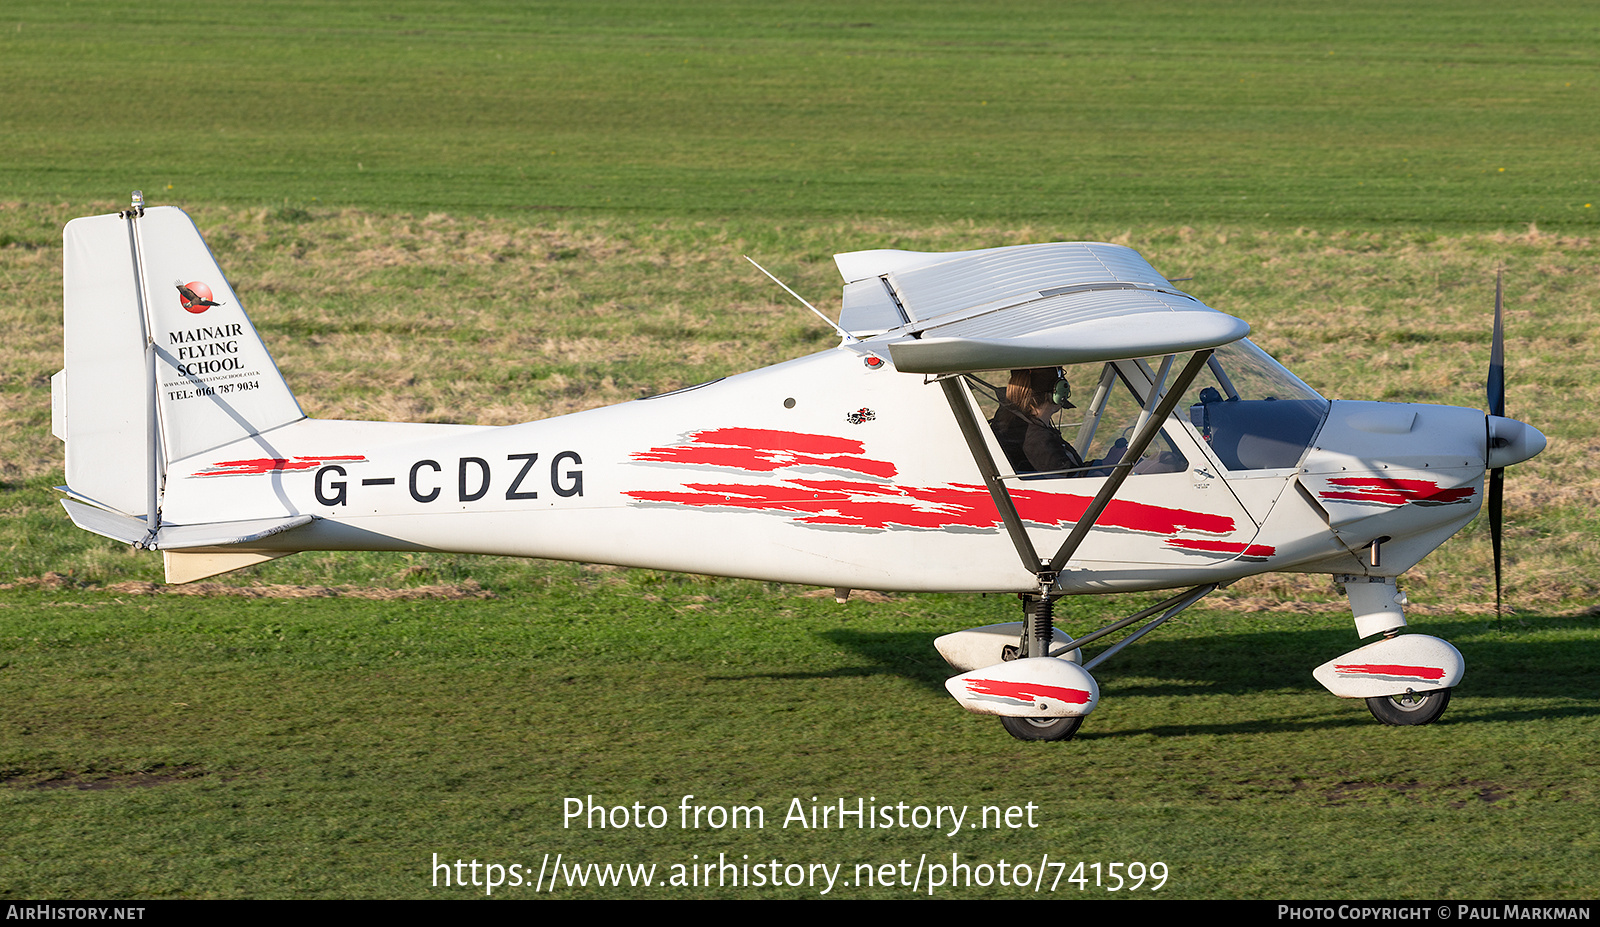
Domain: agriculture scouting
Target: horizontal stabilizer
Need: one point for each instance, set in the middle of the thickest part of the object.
(178, 537)
(107, 524)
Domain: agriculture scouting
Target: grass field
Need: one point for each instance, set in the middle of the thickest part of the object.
(1359, 113)
(327, 748)
(581, 180)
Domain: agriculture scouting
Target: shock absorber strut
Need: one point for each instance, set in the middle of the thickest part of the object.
(1038, 627)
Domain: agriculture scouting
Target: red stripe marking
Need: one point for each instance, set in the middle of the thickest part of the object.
(780, 440)
(271, 465)
(1223, 547)
(763, 451)
(1026, 691)
(1390, 669)
(1049, 508)
(1397, 492)
(875, 505)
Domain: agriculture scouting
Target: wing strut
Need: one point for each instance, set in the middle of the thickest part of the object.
(1164, 403)
(991, 475)
(1136, 447)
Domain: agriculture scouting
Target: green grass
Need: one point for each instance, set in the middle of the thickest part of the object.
(1448, 114)
(220, 748)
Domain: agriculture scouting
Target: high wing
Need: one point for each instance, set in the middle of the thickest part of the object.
(1023, 306)
(1032, 306)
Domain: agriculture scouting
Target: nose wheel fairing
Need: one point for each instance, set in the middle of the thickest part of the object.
(1406, 680)
(1394, 666)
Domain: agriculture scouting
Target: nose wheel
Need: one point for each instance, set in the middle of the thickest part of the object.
(1411, 708)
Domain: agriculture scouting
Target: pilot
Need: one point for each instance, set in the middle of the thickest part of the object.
(1022, 424)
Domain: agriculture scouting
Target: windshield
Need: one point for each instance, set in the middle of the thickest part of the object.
(1255, 375)
(1251, 412)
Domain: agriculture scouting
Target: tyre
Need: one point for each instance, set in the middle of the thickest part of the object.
(1411, 708)
(1041, 728)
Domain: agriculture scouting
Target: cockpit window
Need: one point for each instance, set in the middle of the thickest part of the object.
(1251, 412)
(1078, 421)
(1067, 422)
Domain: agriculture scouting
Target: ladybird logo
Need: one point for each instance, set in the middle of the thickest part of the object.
(195, 297)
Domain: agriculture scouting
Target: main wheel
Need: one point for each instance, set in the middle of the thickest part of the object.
(1041, 728)
(1410, 708)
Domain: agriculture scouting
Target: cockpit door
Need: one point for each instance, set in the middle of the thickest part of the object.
(1174, 509)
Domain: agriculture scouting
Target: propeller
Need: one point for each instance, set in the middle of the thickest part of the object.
(1497, 407)
(1508, 441)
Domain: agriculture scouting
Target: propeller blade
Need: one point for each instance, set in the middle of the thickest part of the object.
(1497, 492)
(1497, 406)
(1497, 355)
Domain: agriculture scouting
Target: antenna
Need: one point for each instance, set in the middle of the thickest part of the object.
(849, 338)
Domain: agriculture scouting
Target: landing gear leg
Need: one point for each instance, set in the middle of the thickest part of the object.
(1038, 634)
(1038, 625)
(1422, 668)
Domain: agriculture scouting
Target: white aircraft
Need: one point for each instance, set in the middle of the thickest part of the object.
(938, 447)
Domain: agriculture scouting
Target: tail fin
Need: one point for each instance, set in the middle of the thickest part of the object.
(161, 362)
